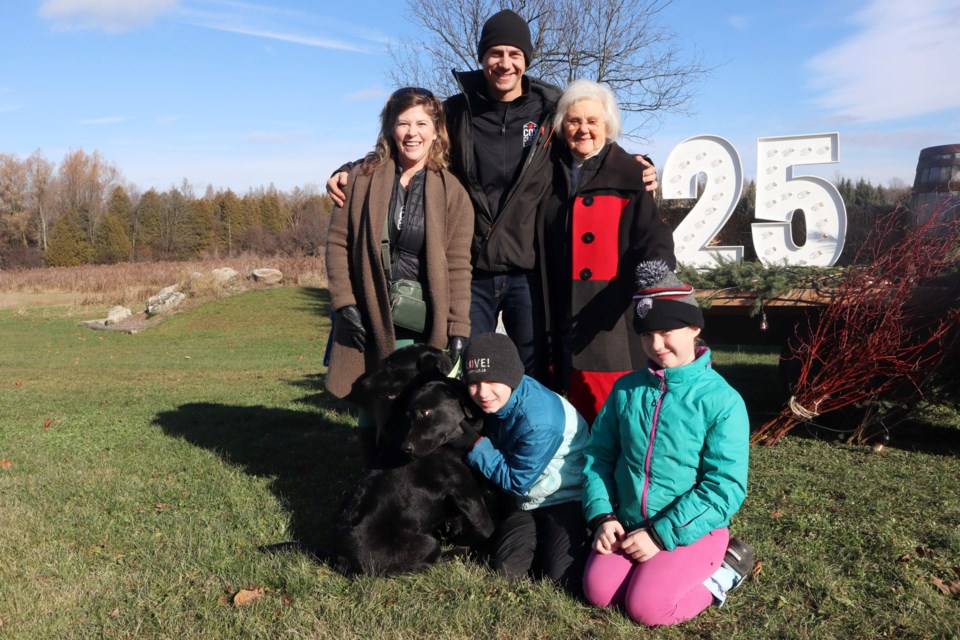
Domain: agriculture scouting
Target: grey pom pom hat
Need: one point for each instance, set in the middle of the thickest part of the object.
(662, 301)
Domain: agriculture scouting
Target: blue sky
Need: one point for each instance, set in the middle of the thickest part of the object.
(244, 94)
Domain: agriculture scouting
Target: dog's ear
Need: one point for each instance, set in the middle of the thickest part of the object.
(434, 359)
(471, 411)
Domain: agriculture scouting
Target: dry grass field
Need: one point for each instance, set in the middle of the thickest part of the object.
(130, 284)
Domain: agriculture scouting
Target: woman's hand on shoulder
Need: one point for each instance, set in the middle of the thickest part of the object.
(606, 539)
(639, 545)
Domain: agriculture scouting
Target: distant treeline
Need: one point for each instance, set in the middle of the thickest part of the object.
(82, 211)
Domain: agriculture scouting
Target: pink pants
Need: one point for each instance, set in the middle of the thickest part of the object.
(667, 589)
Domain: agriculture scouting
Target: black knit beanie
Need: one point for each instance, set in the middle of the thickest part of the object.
(505, 28)
(663, 302)
(492, 357)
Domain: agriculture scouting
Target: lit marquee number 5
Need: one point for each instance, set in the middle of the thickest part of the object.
(713, 163)
(780, 193)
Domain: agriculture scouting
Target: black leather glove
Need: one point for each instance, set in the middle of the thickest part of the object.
(455, 347)
(348, 327)
(466, 440)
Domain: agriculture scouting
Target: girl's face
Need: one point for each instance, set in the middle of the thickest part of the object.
(671, 348)
(414, 134)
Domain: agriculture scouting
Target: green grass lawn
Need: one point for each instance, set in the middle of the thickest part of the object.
(143, 474)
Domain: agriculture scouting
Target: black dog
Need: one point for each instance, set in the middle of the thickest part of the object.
(389, 523)
(377, 390)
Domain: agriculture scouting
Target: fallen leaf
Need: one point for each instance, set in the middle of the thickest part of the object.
(246, 597)
(115, 613)
(47, 423)
(6, 464)
(904, 558)
(18, 383)
(948, 588)
(757, 569)
(925, 551)
(160, 506)
(776, 514)
(187, 358)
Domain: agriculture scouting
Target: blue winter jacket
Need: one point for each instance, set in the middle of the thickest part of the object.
(669, 450)
(534, 447)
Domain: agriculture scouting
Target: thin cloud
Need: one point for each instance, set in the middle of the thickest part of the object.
(278, 137)
(4, 108)
(364, 95)
(97, 122)
(740, 23)
(278, 24)
(310, 41)
(896, 65)
(112, 16)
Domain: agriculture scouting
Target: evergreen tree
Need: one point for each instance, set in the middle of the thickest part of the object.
(69, 245)
(147, 227)
(111, 242)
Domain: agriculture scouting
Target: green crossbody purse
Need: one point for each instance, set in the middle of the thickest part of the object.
(407, 306)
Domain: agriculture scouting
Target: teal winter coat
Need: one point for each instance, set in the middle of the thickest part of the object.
(669, 450)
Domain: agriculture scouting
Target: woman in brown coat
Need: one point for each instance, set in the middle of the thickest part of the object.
(401, 191)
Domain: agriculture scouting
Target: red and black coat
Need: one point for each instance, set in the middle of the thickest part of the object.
(592, 236)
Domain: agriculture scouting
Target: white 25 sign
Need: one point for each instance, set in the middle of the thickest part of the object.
(780, 193)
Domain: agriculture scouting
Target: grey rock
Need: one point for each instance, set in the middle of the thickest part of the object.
(167, 299)
(266, 276)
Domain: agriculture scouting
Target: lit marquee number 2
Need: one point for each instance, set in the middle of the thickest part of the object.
(713, 162)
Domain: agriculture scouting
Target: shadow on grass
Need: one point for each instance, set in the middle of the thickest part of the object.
(311, 461)
(318, 300)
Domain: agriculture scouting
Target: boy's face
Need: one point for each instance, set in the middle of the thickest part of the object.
(489, 396)
(672, 348)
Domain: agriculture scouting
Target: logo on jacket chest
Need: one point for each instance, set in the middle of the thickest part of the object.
(529, 132)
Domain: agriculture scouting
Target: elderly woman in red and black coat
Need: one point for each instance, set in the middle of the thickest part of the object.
(595, 227)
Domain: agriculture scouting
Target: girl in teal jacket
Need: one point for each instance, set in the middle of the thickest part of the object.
(666, 468)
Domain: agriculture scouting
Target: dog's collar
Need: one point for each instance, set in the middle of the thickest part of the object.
(455, 372)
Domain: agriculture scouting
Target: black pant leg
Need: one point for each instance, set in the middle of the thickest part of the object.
(515, 544)
(562, 544)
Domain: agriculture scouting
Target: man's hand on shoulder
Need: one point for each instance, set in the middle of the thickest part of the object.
(649, 172)
(338, 182)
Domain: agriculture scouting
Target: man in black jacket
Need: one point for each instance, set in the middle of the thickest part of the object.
(500, 132)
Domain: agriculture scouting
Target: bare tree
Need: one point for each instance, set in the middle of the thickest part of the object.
(40, 177)
(85, 180)
(14, 217)
(618, 42)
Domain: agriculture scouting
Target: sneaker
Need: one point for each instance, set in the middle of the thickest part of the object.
(740, 557)
(736, 567)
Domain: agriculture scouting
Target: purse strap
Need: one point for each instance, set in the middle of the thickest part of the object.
(385, 248)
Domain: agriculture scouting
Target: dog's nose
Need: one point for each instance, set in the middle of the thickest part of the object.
(407, 448)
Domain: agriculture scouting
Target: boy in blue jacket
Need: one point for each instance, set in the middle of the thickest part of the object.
(532, 449)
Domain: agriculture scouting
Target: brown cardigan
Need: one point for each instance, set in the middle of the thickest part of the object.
(355, 270)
